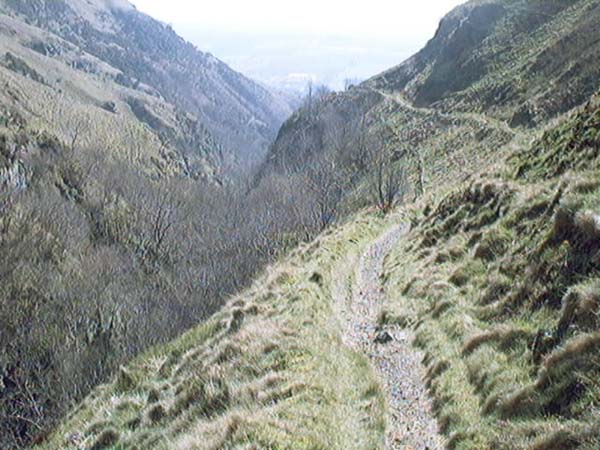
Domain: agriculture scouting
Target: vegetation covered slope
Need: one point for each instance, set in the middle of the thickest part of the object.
(142, 65)
(106, 259)
(499, 279)
(522, 61)
(492, 70)
(120, 225)
(101, 259)
(268, 371)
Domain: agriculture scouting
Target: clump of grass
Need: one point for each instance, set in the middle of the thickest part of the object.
(493, 244)
(557, 385)
(504, 335)
(96, 427)
(126, 381)
(560, 439)
(156, 413)
(440, 308)
(153, 396)
(588, 224)
(192, 392)
(435, 370)
(574, 352)
(469, 272)
(389, 318)
(497, 286)
(228, 352)
(237, 318)
(107, 439)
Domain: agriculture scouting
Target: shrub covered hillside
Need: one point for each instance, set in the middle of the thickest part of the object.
(500, 281)
(120, 231)
(101, 260)
(497, 280)
(132, 56)
(523, 61)
(121, 225)
(493, 69)
(268, 371)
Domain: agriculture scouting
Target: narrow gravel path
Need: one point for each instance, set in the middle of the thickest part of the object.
(410, 422)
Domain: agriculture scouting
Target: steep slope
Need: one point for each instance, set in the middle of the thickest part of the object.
(496, 280)
(521, 61)
(268, 371)
(499, 280)
(72, 96)
(493, 70)
(119, 224)
(149, 67)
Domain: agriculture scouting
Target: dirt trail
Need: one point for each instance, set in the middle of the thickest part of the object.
(482, 119)
(410, 422)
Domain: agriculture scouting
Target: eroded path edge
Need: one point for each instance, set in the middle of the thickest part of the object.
(358, 300)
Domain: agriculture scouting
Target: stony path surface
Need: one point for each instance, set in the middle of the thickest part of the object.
(410, 422)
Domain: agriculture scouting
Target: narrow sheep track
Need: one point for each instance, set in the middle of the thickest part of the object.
(411, 424)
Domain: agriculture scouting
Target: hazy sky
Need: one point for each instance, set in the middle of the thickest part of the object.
(374, 17)
(284, 43)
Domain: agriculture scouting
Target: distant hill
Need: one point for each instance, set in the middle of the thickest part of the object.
(520, 63)
(90, 55)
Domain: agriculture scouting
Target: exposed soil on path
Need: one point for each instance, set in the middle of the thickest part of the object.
(410, 421)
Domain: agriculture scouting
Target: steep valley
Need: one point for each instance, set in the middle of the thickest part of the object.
(414, 264)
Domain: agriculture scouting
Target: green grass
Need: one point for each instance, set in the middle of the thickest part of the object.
(498, 278)
(500, 282)
(269, 370)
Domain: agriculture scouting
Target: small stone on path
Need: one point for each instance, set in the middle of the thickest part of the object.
(383, 337)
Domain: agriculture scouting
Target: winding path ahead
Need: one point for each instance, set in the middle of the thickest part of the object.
(410, 421)
(482, 119)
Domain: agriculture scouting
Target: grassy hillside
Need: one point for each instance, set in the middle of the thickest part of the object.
(492, 71)
(101, 259)
(110, 246)
(108, 61)
(499, 280)
(521, 61)
(268, 371)
(120, 222)
(75, 96)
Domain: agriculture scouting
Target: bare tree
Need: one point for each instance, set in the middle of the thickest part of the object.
(309, 96)
(321, 92)
(393, 134)
(387, 181)
(80, 126)
(324, 182)
(349, 83)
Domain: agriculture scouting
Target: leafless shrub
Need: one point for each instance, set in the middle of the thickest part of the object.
(387, 182)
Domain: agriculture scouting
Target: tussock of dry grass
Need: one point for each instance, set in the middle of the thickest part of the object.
(503, 335)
